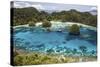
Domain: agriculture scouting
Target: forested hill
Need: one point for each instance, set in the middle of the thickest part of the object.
(25, 15)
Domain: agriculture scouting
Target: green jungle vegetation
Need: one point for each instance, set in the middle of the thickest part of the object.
(30, 14)
(74, 29)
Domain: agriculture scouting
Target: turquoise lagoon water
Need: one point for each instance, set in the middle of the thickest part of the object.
(40, 40)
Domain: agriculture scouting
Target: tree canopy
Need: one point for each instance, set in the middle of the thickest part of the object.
(74, 29)
(24, 15)
(46, 23)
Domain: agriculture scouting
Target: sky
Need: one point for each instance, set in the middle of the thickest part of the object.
(54, 6)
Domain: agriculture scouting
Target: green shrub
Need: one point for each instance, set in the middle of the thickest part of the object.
(46, 23)
(45, 58)
(31, 24)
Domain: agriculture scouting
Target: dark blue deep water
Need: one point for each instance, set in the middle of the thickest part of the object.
(38, 39)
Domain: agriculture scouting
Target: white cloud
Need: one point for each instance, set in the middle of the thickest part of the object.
(17, 5)
(38, 6)
(93, 8)
(26, 4)
(21, 4)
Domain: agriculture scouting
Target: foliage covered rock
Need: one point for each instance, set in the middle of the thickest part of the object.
(74, 30)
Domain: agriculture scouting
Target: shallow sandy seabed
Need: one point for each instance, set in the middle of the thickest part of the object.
(36, 58)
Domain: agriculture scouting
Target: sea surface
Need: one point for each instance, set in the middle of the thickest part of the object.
(40, 40)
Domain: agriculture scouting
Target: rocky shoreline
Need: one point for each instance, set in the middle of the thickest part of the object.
(57, 25)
